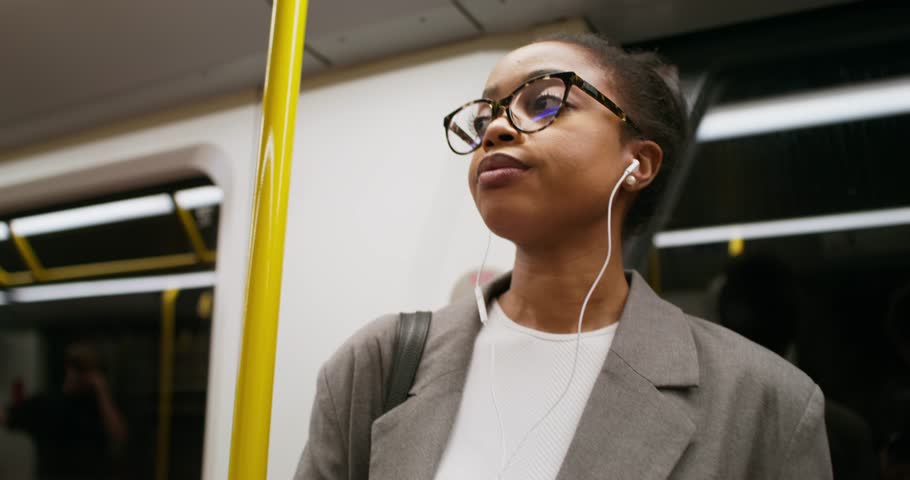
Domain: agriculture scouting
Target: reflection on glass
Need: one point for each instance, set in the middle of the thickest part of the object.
(797, 240)
(104, 336)
(77, 429)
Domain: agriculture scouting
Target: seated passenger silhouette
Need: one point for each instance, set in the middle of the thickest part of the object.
(78, 430)
(760, 300)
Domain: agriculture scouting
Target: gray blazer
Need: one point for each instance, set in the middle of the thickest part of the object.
(678, 397)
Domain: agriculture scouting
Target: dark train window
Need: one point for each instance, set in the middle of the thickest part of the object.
(105, 321)
(799, 239)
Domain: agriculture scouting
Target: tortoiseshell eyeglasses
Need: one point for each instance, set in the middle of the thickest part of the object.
(530, 108)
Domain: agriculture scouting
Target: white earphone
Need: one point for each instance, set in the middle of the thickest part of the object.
(632, 179)
(482, 310)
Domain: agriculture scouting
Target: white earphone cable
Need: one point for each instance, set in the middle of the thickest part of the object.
(581, 316)
(505, 464)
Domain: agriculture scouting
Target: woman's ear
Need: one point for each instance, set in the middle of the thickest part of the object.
(650, 156)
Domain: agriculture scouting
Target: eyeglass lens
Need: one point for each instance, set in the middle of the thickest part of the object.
(532, 108)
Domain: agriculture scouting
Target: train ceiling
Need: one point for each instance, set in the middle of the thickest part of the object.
(68, 66)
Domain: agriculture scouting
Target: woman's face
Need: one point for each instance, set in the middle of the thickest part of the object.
(571, 166)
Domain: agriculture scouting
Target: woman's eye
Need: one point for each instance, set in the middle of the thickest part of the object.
(480, 123)
(545, 105)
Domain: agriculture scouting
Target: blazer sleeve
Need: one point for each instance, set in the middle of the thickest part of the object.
(325, 455)
(807, 454)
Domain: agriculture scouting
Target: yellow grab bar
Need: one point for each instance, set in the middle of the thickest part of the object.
(253, 397)
(29, 257)
(165, 382)
(191, 229)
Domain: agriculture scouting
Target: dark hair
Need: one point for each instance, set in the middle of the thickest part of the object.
(649, 93)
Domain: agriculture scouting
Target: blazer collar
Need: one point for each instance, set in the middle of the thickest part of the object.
(630, 427)
(653, 348)
(654, 338)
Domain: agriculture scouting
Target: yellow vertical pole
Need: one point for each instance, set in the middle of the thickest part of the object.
(736, 246)
(165, 382)
(253, 398)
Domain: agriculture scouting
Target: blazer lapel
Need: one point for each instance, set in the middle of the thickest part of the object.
(627, 431)
(408, 441)
(630, 429)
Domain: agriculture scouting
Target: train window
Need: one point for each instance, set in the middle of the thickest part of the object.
(105, 321)
(796, 236)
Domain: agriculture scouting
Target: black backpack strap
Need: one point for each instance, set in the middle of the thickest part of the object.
(409, 342)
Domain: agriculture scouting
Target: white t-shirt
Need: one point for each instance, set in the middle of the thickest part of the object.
(528, 371)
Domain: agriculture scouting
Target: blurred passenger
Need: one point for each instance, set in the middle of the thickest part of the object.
(569, 365)
(760, 300)
(17, 456)
(895, 456)
(895, 452)
(78, 431)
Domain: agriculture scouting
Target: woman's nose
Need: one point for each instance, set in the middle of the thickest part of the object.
(500, 131)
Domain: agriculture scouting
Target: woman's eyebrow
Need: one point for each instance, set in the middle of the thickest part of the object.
(492, 89)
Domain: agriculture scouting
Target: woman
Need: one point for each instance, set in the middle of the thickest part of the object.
(578, 370)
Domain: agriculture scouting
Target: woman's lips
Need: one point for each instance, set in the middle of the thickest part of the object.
(499, 177)
(498, 170)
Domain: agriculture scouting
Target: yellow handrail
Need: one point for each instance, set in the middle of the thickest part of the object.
(736, 246)
(165, 382)
(29, 257)
(39, 273)
(14, 279)
(253, 397)
(117, 267)
(191, 229)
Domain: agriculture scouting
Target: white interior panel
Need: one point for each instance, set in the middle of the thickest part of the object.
(512, 15)
(326, 17)
(309, 66)
(422, 28)
(73, 52)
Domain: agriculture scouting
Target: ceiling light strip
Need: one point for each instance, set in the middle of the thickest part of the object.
(783, 228)
(199, 197)
(106, 288)
(821, 107)
(119, 211)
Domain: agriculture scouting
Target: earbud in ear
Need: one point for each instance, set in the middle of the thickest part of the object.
(630, 179)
